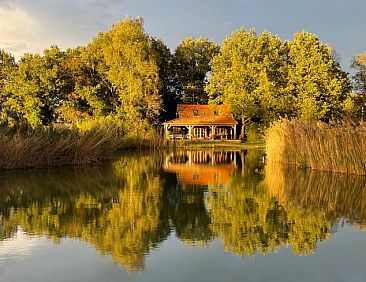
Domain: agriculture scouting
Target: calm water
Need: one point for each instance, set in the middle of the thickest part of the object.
(183, 216)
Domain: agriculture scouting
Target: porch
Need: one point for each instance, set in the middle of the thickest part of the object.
(200, 132)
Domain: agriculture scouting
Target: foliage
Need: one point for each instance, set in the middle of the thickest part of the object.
(114, 77)
(250, 75)
(315, 80)
(359, 64)
(192, 65)
(355, 107)
(263, 78)
(35, 88)
(89, 95)
(129, 57)
(7, 65)
(168, 81)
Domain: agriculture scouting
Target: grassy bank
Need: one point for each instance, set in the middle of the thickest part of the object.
(45, 147)
(221, 144)
(337, 148)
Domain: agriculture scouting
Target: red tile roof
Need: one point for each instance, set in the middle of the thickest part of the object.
(206, 115)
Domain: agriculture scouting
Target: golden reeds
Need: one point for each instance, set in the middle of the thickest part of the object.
(316, 145)
(26, 147)
(59, 146)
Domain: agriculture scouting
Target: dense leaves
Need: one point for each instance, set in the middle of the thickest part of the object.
(250, 74)
(359, 64)
(129, 79)
(115, 77)
(262, 77)
(192, 64)
(315, 80)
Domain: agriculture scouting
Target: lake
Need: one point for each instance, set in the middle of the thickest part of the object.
(182, 216)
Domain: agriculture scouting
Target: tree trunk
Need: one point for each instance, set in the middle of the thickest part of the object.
(242, 132)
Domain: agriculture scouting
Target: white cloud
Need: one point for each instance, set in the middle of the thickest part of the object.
(16, 29)
(32, 26)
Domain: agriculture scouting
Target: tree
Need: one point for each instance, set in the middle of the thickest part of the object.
(192, 65)
(359, 64)
(167, 78)
(89, 95)
(317, 82)
(7, 65)
(117, 77)
(35, 88)
(250, 75)
(131, 68)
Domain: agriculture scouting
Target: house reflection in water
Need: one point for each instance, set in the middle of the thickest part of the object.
(202, 168)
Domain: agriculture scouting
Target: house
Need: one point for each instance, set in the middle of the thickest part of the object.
(201, 122)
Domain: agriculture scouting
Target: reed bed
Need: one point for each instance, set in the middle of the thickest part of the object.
(24, 147)
(32, 148)
(337, 148)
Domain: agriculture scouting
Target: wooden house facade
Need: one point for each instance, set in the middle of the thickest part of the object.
(201, 122)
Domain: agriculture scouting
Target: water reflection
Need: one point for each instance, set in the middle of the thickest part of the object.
(127, 209)
(202, 168)
(338, 196)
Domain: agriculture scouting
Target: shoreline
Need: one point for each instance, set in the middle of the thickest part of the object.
(222, 145)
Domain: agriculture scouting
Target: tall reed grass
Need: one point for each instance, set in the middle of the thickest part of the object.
(337, 148)
(27, 148)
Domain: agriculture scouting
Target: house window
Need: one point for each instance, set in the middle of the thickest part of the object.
(216, 112)
(199, 132)
(195, 112)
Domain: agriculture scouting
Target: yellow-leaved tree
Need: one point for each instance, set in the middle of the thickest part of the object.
(250, 75)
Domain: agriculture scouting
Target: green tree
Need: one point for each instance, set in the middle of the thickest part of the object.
(168, 81)
(7, 65)
(315, 80)
(117, 77)
(250, 75)
(131, 68)
(89, 94)
(35, 88)
(192, 65)
(359, 64)
(357, 102)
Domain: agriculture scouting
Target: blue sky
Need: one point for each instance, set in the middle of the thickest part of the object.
(31, 26)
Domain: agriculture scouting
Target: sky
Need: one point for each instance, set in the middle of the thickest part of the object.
(30, 26)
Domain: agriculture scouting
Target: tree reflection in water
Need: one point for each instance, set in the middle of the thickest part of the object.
(128, 208)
